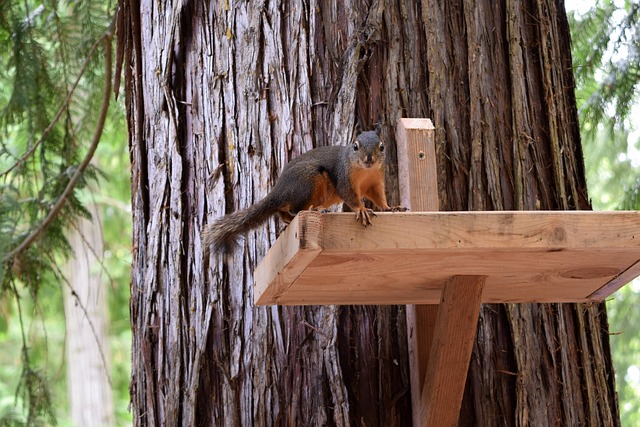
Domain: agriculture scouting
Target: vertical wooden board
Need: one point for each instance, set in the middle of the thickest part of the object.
(417, 169)
(421, 321)
(453, 337)
(418, 176)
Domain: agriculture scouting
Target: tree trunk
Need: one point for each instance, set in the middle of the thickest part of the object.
(86, 319)
(221, 95)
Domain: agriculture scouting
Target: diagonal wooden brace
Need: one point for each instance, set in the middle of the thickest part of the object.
(453, 337)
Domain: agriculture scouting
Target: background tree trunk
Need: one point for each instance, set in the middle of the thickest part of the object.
(86, 319)
(221, 95)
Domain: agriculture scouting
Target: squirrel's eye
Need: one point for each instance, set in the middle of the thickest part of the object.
(356, 146)
(381, 147)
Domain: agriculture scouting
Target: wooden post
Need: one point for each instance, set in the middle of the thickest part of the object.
(418, 176)
(440, 337)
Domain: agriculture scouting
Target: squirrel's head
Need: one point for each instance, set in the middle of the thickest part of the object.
(368, 149)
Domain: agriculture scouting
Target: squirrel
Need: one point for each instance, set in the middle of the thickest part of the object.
(317, 179)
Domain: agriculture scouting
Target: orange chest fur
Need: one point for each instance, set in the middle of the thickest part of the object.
(366, 181)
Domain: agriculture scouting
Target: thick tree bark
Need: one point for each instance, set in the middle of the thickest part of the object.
(221, 95)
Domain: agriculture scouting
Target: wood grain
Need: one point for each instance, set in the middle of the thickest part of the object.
(421, 321)
(453, 338)
(506, 229)
(417, 169)
(406, 258)
(293, 251)
(619, 281)
(418, 183)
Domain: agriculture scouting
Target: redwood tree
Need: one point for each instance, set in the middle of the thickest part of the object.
(220, 95)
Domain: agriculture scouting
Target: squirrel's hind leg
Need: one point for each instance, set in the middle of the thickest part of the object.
(323, 193)
(286, 214)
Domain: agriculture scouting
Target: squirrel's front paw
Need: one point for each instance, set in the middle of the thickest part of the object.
(397, 209)
(363, 215)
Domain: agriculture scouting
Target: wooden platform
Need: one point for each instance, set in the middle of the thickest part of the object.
(406, 258)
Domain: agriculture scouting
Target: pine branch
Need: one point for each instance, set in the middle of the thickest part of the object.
(63, 108)
(55, 210)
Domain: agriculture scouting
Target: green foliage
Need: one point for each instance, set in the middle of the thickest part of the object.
(610, 167)
(624, 319)
(606, 65)
(51, 83)
(606, 43)
(631, 200)
(32, 374)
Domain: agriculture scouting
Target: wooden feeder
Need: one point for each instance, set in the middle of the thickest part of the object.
(449, 263)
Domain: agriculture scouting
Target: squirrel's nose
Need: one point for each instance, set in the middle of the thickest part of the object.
(369, 158)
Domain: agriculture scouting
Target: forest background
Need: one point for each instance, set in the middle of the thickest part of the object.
(52, 76)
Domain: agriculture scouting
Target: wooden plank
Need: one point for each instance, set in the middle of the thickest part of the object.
(616, 283)
(418, 179)
(404, 258)
(479, 229)
(454, 334)
(293, 251)
(417, 276)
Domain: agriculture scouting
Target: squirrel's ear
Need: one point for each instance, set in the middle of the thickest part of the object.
(358, 130)
(378, 128)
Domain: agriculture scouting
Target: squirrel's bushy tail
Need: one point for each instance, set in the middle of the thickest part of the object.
(222, 235)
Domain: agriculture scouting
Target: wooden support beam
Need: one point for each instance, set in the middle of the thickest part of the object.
(455, 331)
(406, 257)
(418, 179)
(292, 252)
